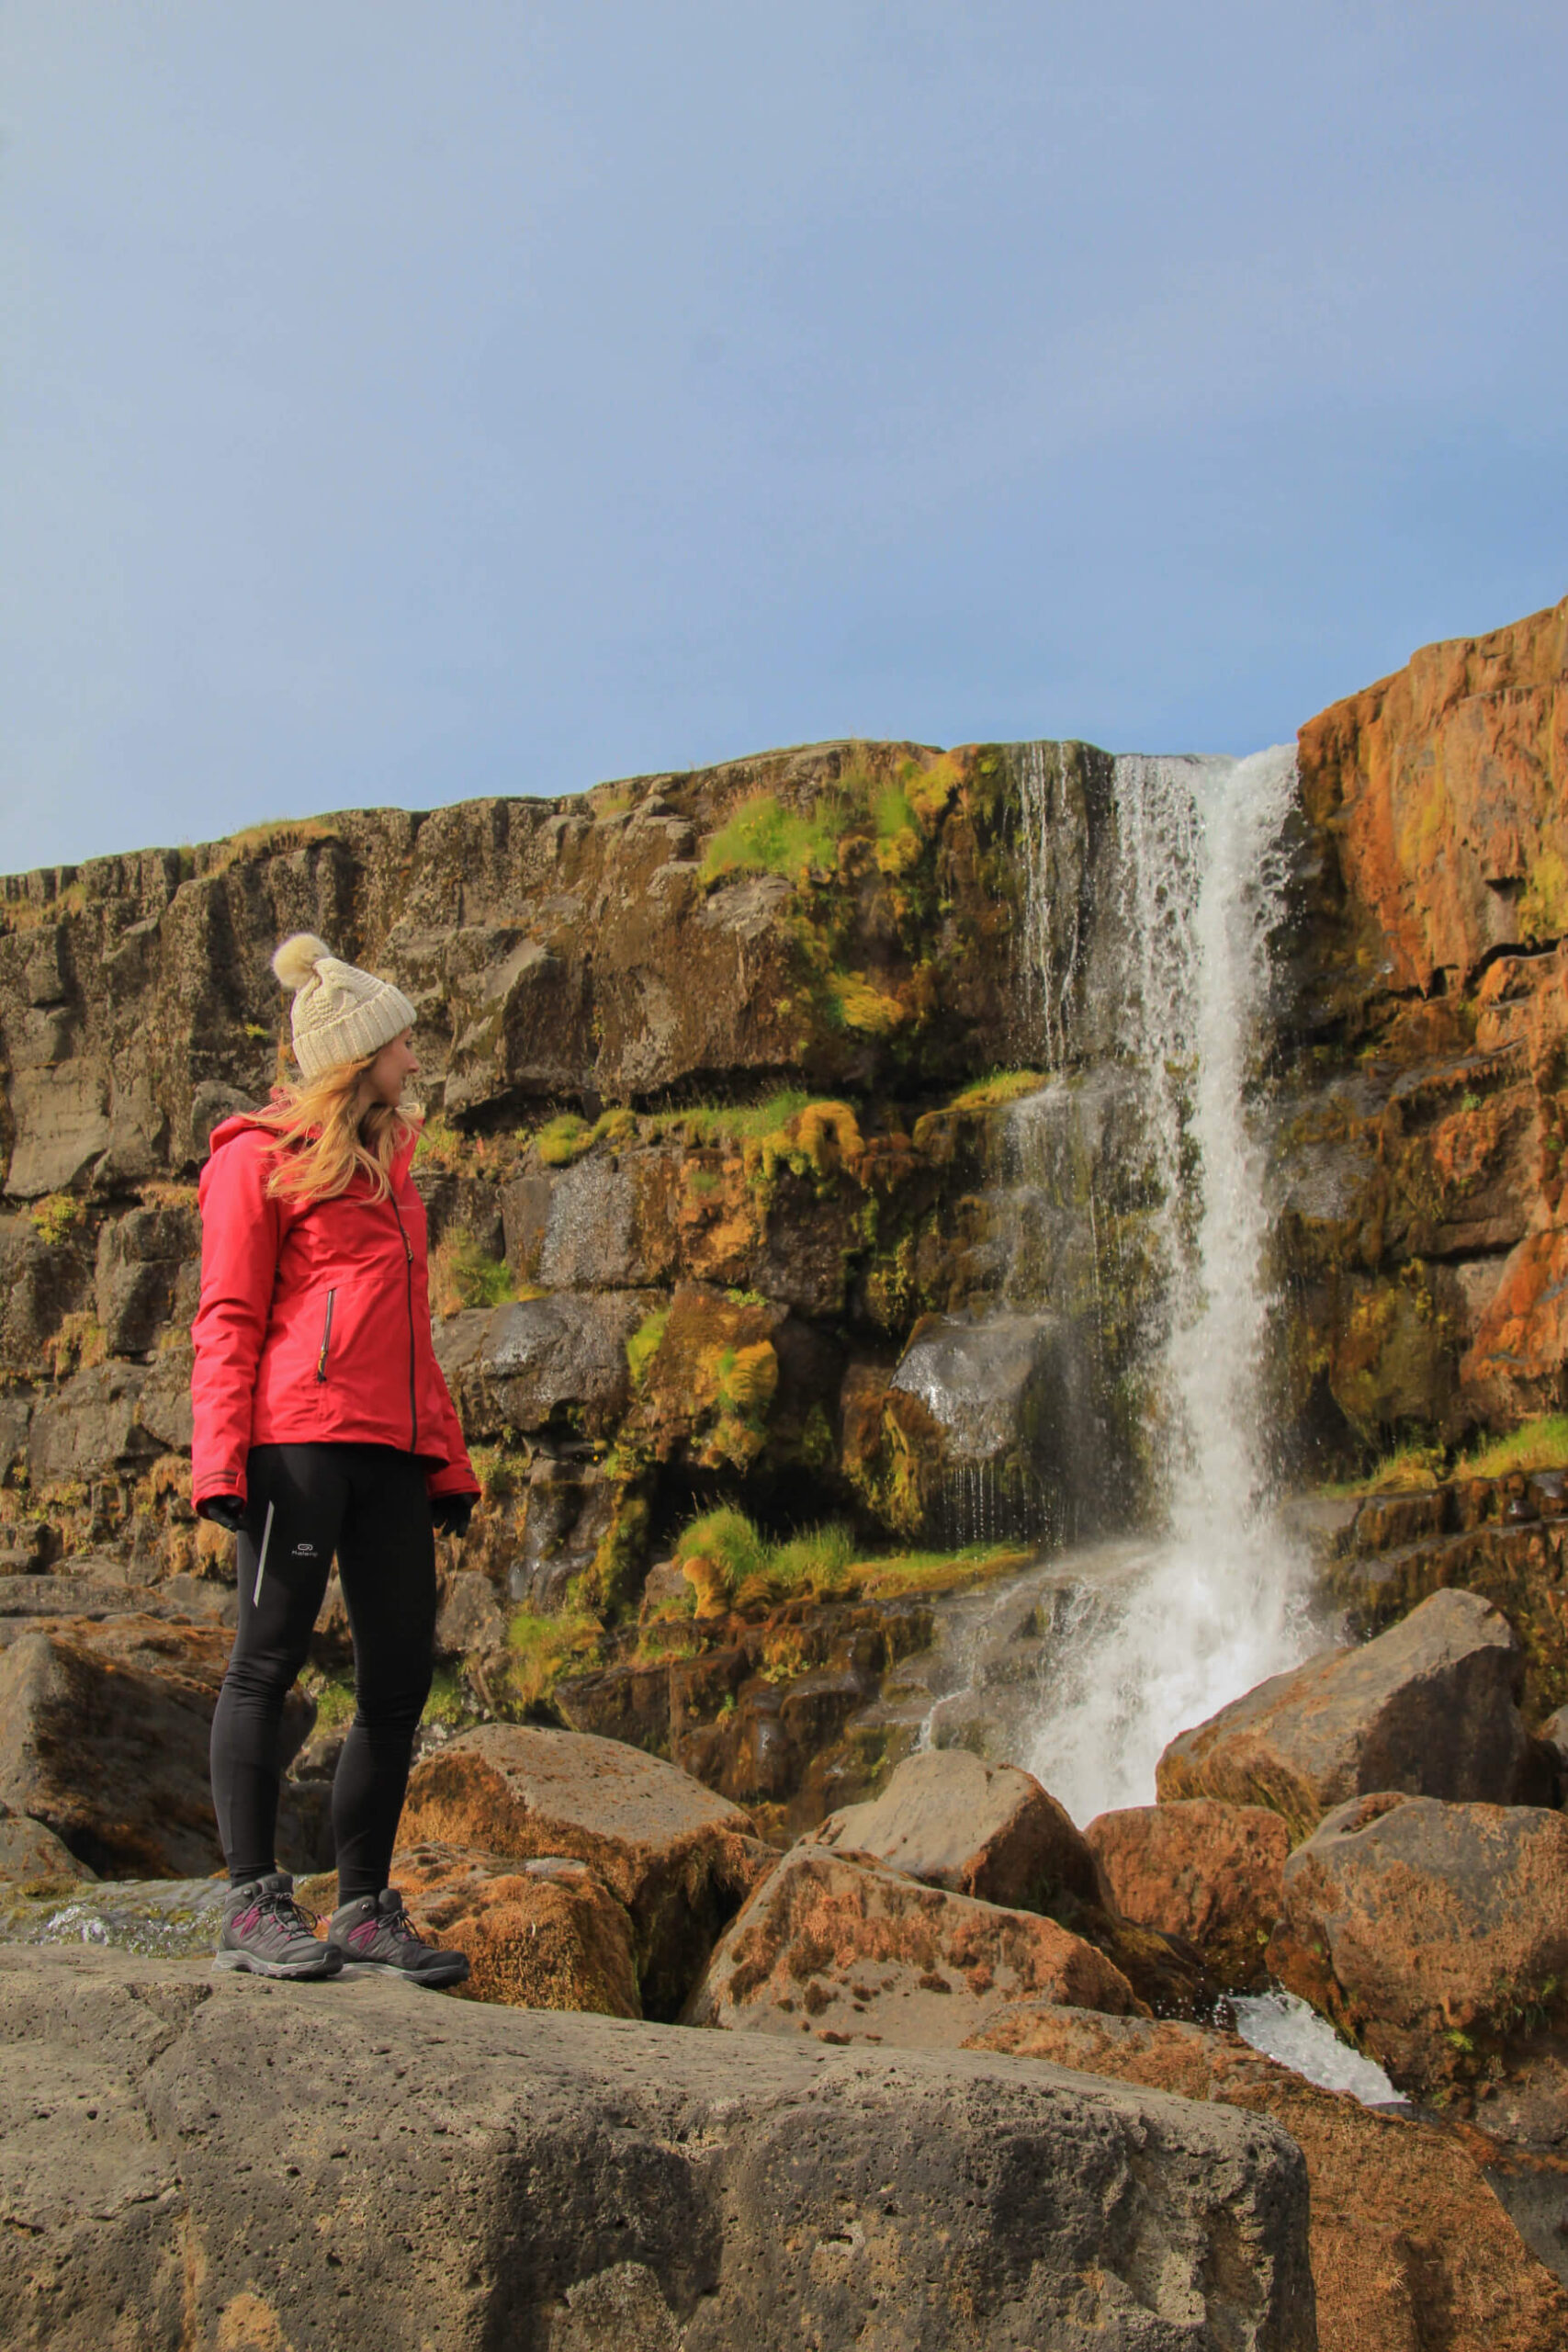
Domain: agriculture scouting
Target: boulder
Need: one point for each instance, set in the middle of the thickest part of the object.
(998, 1411)
(1409, 2245)
(542, 1362)
(1429, 1707)
(1436, 1935)
(950, 1818)
(546, 1934)
(104, 1731)
(470, 1619)
(112, 1417)
(457, 2176)
(680, 1858)
(1205, 1872)
(62, 1123)
(844, 1951)
(30, 1851)
(138, 1282)
(41, 1282)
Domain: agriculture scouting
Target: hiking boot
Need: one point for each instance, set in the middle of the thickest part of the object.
(268, 1933)
(376, 1935)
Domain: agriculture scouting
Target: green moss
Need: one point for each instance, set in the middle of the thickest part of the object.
(1543, 901)
(334, 1702)
(501, 1471)
(715, 1125)
(644, 1343)
(892, 813)
(439, 1144)
(1537, 1445)
(462, 1274)
(764, 838)
(448, 1703)
(57, 1215)
(544, 1649)
(613, 1576)
(563, 1139)
(863, 1006)
(1001, 1086)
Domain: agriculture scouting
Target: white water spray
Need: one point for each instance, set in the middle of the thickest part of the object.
(1218, 1607)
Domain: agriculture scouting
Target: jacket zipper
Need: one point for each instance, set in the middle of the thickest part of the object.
(408, 1278)
(326, 1337)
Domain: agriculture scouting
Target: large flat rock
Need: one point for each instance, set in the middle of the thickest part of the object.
(199, 2165)
(1429, 1707)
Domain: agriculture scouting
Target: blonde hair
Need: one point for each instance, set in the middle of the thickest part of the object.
(325, 1138)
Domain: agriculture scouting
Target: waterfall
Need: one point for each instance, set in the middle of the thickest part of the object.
(1217, 1605)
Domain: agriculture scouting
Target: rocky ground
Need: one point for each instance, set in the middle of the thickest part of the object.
(798, 1320)
(1378, 1831)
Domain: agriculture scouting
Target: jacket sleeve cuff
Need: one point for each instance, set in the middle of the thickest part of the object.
(219, 1484)
(452, 1478)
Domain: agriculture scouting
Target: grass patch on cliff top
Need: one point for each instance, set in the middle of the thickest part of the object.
(715, 1125)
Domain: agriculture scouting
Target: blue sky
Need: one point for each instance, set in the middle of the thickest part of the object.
(402, 402)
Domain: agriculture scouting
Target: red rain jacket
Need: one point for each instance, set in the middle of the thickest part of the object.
(314, 1323)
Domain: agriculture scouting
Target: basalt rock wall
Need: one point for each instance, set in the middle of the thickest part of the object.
(705, 1149)
(726, 1200)
(1422, 1125)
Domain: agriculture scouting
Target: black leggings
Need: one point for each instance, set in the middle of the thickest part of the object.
(367, 1503)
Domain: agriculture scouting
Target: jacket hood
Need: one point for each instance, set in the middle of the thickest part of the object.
(240, 1122)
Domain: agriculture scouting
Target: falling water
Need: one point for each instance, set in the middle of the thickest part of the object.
(1218, 1606)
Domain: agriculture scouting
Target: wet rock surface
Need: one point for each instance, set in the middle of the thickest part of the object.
(844, 1951)
(1429, 1707)
(1410, 2246)
(594, 2182)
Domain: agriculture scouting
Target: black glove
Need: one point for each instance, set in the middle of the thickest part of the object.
(224, 1510)
(452, 1513)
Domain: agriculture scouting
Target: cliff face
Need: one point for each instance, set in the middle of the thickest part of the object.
(1443, 790)
(1423, 1154)
(777, 975)
(720, 1175)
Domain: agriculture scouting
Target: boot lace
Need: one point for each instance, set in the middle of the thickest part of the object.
(287, 1912)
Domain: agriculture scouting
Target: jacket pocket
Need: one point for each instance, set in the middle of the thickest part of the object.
(325, 1348)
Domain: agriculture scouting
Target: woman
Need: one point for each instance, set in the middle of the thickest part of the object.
(323, 1426)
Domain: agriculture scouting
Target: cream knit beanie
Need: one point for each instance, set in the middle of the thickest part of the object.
(341, 1015)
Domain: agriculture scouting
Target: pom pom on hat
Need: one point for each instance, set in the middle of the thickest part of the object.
(340, 1013)
(295, 960)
